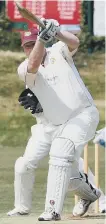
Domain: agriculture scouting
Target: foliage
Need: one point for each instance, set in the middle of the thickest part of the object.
(8, 39)
(94, 43)
(88, 41)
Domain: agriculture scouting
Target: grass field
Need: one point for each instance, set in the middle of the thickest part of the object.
(15, 127)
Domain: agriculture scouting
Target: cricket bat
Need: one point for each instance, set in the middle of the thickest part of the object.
(28, 15)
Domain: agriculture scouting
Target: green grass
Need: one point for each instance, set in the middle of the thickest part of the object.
(92, 70)
(15, 126)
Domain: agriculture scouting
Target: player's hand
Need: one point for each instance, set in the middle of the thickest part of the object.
(47, 34)
(100, 137)
(29, 101)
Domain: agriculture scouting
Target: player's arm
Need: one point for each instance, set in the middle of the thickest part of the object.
(36, 57)
(45, 36)
(68, 38)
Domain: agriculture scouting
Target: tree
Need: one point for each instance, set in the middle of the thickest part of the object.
(2, 5)
(8, 39)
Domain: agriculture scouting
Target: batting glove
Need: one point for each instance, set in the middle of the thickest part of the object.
(48, 33)
(100, 137)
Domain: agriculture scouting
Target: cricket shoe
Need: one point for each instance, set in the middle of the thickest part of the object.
(102, 205)
(103, 210)
(83, 205)
(16, 212)
(49, 216)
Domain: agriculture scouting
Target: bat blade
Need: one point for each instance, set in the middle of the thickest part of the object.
(28, 15)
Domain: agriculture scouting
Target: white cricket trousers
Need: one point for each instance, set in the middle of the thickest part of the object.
(78, 131)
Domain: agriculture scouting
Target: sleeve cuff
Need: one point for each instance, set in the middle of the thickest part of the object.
(30, 79)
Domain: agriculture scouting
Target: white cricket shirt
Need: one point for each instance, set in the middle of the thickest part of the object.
(58, 86)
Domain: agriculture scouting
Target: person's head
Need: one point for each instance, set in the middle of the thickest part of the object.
(28, 39)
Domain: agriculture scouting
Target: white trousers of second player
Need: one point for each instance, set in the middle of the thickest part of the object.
(64, 144)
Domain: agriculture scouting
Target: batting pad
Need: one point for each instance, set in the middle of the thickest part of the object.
(58, 181)
(23, 186)
(82, 188)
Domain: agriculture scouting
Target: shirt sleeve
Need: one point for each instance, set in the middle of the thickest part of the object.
(28, 78)
(64, 50)
(22, 70)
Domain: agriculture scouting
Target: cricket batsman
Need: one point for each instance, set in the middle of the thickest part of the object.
(68, 121)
